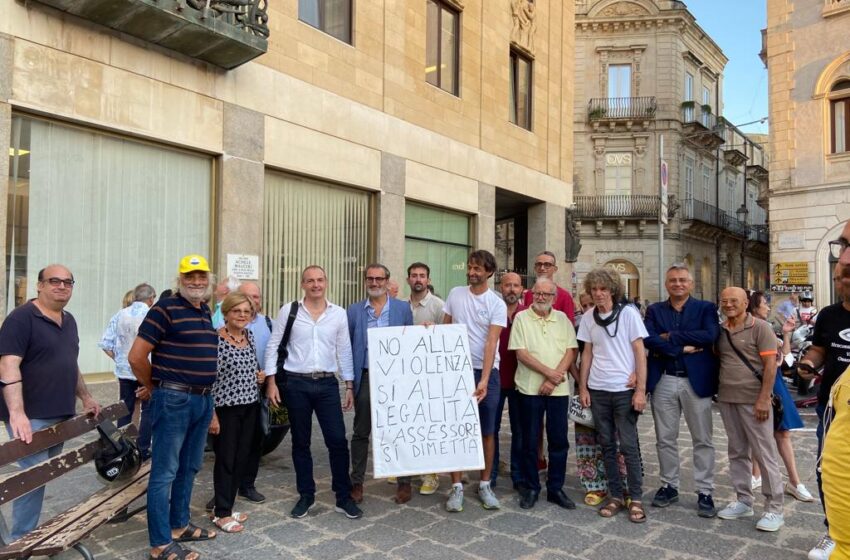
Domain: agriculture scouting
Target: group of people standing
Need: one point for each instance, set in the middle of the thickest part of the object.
(199, 370)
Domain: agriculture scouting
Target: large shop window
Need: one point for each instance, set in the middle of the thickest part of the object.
(311, 222)
(116, 212)
(440, 239)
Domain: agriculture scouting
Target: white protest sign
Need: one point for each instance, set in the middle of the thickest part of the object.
(424, 415)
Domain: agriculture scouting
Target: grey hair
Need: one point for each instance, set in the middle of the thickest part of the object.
(233, 283)
(680, 266)
(377, 265)
(143, 292)
(607, 278)
(208, 294)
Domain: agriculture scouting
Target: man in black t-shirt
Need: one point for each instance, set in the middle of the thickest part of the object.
(831, 350)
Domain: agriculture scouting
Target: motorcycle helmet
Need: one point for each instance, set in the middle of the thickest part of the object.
(806, 296)
(118, 458)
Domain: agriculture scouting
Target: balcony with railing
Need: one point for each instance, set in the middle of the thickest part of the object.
(628, 111)
(225, 33)
(701, 126)
(702, 214)
(617, 206)
(759, 233)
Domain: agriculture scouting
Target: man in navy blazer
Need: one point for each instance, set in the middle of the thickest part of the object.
(377, 310)
(682, 377)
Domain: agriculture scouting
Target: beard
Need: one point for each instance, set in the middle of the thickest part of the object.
(376, 292)
(544, 308)
(193, 294)
(511, 298)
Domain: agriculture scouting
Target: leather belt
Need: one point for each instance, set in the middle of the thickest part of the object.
(184, 388)
(312, 374)
(677, 373)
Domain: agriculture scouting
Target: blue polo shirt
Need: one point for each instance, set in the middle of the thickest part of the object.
(185, 342)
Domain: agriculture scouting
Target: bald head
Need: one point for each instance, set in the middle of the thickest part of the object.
(511, 287)
(252, 290)
(733, 302)
(55, 286)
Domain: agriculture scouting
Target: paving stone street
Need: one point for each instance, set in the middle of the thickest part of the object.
(423, 529)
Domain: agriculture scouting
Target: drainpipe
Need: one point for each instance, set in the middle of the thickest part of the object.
(717, 216)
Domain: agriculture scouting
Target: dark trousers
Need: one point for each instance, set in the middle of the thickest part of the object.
(511, 396)
(236, 440)
(127, 394)
(820, 410)
(305, 396)
(613, 414)
(532, 409)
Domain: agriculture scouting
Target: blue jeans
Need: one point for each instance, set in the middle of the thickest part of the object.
(305, 396)
(820, 410)
(532, 409)
(180, 422)
(512, 398)
(27, 509)
(127, 393)
(613, 413)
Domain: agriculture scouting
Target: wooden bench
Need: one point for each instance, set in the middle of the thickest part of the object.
(67, 529)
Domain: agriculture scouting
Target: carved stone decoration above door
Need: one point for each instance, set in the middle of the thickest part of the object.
(524, 27)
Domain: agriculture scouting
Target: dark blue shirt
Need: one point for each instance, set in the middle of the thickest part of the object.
(49, 367)
(185, 342)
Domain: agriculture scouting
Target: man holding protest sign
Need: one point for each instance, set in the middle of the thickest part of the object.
(377, 310)
(485, 315)
(545, 344)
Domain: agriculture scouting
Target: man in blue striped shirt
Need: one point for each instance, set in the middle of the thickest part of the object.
(178, 334)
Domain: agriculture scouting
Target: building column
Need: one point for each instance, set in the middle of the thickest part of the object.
(390, 234)
(547, 229)
(485, 234)
(6, 65)
(241, 195)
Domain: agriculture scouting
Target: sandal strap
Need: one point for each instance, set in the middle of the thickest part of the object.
(178, 552)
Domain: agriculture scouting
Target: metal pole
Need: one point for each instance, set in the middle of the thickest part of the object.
(660, 223)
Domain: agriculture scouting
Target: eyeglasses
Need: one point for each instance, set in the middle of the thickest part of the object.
(67, 282)
(544, 265)
(241, 311)
(543, 294)
(837, 247)
(375, 278)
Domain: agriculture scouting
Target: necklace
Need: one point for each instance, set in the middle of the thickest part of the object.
(237, 341)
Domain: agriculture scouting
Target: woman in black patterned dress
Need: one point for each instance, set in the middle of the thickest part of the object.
(237, 407)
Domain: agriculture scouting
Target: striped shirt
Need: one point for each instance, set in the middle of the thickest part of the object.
(185, 342)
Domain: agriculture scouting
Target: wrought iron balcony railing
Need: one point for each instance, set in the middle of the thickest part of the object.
(699, 211)
(617, 206)
(635, 108)
(759, 233)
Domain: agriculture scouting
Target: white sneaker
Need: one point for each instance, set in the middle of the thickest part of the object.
(488, 498)
(756, 483)
(823, 549)
(800, 492)
(735, 510)
(770, 522)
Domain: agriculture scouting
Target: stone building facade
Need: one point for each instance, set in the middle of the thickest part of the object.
(363, 131)
(807, 53)
(645, 69)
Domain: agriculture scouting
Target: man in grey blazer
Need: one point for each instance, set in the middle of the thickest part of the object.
(375, 311)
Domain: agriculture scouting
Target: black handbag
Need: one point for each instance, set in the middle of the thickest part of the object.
(775, 400)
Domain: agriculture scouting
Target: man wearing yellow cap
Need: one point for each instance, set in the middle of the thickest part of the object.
(183, 345)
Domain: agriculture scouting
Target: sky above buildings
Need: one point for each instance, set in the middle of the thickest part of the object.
(736, 26)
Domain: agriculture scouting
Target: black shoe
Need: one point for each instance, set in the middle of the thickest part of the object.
(529, 498)
(305, 502)
(348, 508)
(210, 505)
(520, 486)
(252, 495)
(665, 496)
(705, 506)
(561, 499)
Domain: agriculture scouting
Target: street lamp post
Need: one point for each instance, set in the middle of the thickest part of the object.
(742, 213)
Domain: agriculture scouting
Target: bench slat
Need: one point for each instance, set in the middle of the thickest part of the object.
(16, 449)
(19, 483)
(75, 524)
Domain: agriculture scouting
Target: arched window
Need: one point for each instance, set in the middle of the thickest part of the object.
(839, 105)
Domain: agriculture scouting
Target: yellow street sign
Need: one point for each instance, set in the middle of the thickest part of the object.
(795, 272)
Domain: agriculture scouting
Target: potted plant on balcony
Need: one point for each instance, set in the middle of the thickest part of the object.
(688, 104)
(597, 113)
(706, 108)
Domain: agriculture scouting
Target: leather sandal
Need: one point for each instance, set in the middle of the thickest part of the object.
(174, 552)
(193, 533)
(612, 508)
(231, 526)
(636, 512)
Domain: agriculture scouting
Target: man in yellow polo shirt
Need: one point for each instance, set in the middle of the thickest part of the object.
(836, 457)
(545, 344)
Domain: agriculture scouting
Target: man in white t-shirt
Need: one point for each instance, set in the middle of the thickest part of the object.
(485, 315)
(613, 384)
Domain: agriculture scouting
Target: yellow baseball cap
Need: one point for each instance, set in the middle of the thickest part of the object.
(191, 263)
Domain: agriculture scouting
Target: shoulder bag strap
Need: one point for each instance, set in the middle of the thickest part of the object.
(741, 356)
(287, 332)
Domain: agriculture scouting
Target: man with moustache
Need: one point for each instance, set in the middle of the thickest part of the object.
(830, 350)
(376, 311)
(40, 378)
(427, 310)
(682, 378)
(485, 315)
(319, 346)
(545, 342)
(511, 288)
(178, 335)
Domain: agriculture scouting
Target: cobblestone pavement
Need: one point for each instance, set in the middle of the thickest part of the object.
(422, 529)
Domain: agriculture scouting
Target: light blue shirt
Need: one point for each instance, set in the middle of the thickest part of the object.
(382, 320)
(119, 336)
(258, 327)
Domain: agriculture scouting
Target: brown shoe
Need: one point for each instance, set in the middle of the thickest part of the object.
(357, 493)
(402, 493)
